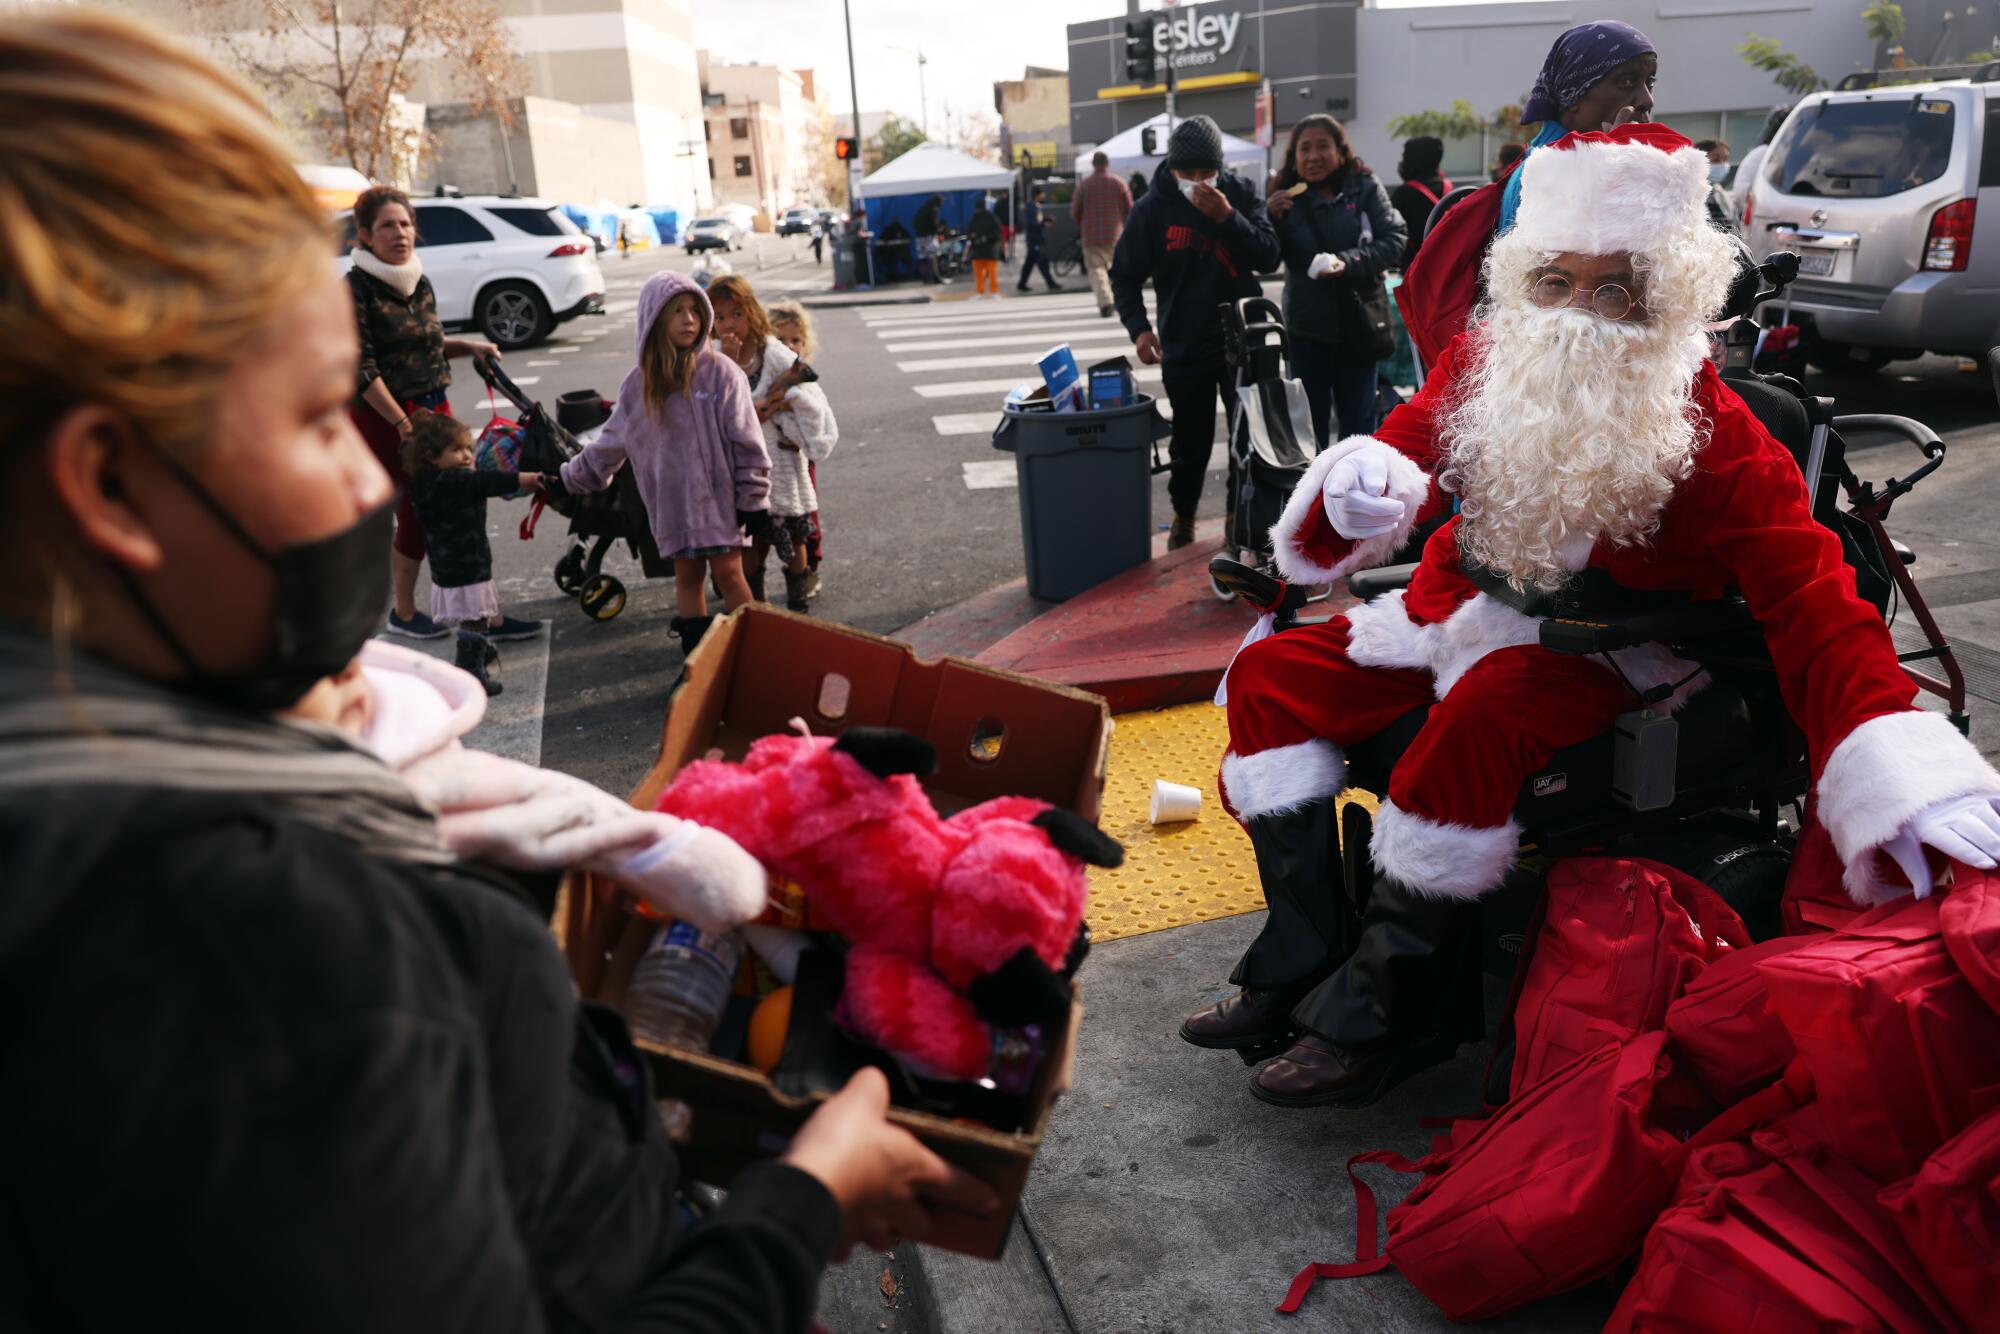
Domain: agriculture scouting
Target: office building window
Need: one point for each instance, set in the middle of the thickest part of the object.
(742, 166)
(739, 127)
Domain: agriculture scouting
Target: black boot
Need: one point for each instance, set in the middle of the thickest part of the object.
(1401, 1003)
(796, 584)
(475, 653)
(690, 629)
(1306, 934)
(753, 575)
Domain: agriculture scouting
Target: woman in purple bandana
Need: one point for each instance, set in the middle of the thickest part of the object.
(1597, 75)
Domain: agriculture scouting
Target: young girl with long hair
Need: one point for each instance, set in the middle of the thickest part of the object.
(798, 429)
(686, 422)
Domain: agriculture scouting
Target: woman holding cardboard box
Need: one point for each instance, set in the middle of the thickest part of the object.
(272, 1047)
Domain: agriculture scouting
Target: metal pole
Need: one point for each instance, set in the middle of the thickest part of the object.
(853, 86)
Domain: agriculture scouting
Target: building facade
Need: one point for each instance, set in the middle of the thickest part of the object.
(762, 124)
(1034, 115)
(1368, 66)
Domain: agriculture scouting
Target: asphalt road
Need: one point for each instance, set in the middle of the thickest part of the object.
(920, 512)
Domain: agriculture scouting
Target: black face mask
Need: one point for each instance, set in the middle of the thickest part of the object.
(328, 599)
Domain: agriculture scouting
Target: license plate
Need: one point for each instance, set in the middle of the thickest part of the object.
(1815, 263)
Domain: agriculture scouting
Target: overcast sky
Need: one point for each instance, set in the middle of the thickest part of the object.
(968, 43)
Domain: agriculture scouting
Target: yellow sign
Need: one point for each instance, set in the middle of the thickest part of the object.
(1034, 153)
(1242, 78)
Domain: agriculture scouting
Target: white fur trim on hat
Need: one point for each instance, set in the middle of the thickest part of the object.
(1407, 483)
(1880, 775)
(1282, 779)
(1439, 859)
(1380, 633)
(1609, 198)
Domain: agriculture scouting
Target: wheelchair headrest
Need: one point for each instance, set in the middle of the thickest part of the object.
(1756, 283)
(1443, 206)
(1780, 412)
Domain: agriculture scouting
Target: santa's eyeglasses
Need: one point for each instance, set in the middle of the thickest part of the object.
(1552, 291)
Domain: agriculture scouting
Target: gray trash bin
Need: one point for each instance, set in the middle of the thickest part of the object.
(843, 261)
(1086, 491)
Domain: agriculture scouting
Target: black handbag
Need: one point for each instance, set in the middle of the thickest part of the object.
(1375, 335)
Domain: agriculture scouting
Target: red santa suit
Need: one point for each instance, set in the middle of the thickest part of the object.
(1740, 520)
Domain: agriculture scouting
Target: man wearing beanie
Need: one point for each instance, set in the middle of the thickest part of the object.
(1201, 235)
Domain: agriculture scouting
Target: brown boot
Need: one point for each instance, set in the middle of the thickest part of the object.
(1182, 533)
(1314, 1073)
(1250, 1018)
(796, 584)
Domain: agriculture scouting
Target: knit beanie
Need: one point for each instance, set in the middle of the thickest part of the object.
(1195, 145)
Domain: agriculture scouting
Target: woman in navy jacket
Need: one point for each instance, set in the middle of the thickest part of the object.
(1339, 235)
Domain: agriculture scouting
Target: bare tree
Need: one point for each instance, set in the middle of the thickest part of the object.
(341, 66)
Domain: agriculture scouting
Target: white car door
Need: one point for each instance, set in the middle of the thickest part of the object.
(455, 247)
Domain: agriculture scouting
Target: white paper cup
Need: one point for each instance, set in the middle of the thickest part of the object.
(1173, 803)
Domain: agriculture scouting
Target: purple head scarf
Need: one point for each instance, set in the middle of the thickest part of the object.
(1580, 57)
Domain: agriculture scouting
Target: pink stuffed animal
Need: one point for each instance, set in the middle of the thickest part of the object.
(956, 927)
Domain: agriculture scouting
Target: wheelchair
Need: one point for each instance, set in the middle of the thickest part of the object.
(1705, 789)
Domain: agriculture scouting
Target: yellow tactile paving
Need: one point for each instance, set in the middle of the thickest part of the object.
(1179, 873)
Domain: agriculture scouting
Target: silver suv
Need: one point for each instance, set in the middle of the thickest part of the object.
(1878, 188)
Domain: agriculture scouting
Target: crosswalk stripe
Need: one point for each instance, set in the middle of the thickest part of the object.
(965, 423)
(971, 388)
(1047, 337)
(985, 315)
(989, 476)
(1019, 358)
(998, 324)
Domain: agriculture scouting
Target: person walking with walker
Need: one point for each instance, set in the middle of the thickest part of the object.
(1201, 236)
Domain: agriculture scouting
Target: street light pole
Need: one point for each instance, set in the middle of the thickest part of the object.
(923, 97)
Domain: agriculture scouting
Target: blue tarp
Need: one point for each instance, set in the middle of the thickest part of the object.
(956, 211)
(601, 223)
(668, 220)
(639, 225)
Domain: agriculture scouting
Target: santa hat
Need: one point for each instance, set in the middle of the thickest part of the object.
(1612, 192)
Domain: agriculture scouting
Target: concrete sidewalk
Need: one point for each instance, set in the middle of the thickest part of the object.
(1167, 1200)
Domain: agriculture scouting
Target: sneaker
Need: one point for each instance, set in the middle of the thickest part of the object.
(1182, 532)
(509, 628)
(418, 626)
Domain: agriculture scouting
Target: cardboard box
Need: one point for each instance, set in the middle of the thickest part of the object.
(996, 734)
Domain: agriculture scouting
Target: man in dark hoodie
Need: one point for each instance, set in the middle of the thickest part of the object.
(1201, 234)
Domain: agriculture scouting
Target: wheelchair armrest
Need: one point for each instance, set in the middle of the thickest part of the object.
(1603, 634)
(1366, 584)
(1261, 590)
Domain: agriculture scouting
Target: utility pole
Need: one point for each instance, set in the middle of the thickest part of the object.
(854, 91)
(923, 97)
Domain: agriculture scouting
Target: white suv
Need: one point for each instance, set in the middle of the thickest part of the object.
(510, 267)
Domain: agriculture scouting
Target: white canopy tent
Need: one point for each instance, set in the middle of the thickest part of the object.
(1127, 152)
(933, 169)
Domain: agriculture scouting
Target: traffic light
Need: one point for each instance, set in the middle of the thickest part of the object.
(847, 148)
(1149, 141)
(1141, 61)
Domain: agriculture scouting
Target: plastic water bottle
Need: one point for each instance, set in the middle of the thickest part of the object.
(678, 991)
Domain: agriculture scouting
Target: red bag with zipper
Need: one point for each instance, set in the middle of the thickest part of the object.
(1902, 1047)
(1615, 943)
(1949, 1212)
(1778, 1235)
(1550, 1192)
(1723, 1029)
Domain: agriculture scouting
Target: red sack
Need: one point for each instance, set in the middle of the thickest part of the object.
(1722, 1027)
(1949, 1212)
(1969, 921)
(1441, 286)
(1780, 1237)
(1554, 1190)
(1814, 899)
(1903, 1051)
(1617, 941)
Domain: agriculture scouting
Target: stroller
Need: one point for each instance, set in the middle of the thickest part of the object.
(1271, 439)
(597, 520)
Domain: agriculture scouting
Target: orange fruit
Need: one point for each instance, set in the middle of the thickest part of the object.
(768, 1023)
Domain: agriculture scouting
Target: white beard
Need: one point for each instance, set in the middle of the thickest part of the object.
(1567, 429)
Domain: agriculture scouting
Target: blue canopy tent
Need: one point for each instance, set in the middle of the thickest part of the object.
(896, 190)
(668, 221)
(600, 220)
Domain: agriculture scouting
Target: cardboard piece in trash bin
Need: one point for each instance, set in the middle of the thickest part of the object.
(996, 733)
(1059, 374)
(1111, 383)
(1030, 398)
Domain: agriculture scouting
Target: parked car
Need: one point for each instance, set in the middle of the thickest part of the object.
(713, 233)
(829, 220)
(512, 268)
(1878, 186)
(796, 222)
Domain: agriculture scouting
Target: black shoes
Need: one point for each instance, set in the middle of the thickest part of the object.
(690, 629)
(474, 653)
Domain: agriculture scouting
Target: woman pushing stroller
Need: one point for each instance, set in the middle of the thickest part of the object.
(687, 424)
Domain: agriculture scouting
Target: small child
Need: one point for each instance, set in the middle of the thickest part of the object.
(793, 326)
(686, 421)
(450, 497)
(798, 427)
(411, 710)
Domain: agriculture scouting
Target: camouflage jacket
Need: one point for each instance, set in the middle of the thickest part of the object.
(401, 341)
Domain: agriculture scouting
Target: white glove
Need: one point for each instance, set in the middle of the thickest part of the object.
(1326, 266)
(1356, 495)
(1965, 829)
